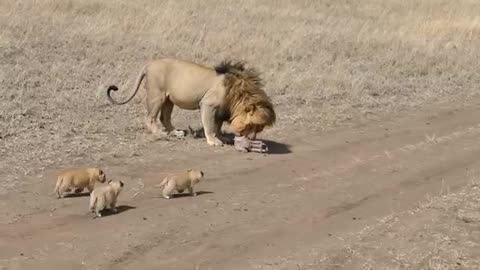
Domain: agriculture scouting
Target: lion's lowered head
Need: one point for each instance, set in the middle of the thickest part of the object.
(249, 108)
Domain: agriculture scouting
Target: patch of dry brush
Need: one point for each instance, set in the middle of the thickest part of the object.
(440, 234)
(324, 62)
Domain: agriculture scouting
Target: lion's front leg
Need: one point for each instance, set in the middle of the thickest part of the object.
(218, 129)
(209, 126)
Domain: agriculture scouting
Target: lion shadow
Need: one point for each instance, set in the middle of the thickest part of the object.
(274, 148)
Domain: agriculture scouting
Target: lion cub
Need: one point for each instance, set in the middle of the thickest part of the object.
(105, 197)
(78, 179)
(180, 182)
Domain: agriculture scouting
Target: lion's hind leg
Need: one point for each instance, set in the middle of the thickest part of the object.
(155, 101)
(166, 119)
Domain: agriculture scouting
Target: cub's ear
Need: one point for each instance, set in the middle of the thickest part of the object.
(100, 172)
(201, 172)
(189, 170)
(250, 109)
(121, 184)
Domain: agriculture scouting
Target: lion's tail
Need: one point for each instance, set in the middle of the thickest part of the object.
(137, 86)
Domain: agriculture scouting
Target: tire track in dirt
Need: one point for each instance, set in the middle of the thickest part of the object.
(301, 231)
(269, 216)
(417, 182)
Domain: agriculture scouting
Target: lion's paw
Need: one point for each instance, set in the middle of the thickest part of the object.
(159, 133)
(178, 133)
(215, 142)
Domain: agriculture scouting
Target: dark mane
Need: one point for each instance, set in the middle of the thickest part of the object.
(244, 88)
(227, 66)
(237, 70)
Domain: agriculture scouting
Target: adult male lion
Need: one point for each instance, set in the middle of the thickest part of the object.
(229, 92)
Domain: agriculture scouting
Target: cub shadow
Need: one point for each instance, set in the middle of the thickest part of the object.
(77, 195)
(274, 148)
(186, 194)
(120, 209)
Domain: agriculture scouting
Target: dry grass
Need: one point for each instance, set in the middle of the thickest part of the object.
(438, 235)
(324, 63)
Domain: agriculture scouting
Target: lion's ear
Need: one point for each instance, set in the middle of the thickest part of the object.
(250, 109)
(189, 170)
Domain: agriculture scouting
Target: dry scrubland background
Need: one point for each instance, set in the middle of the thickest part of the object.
(324, 63)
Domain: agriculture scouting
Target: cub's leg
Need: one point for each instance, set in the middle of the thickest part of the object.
(169, 187)
(93, 200)
(113, 206)
(208, 120)
(166, 118)
(90, 187)
(57, 187)
(63, 188)
(100, 205)
(190, 190)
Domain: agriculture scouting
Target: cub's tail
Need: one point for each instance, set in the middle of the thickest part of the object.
(163, 183)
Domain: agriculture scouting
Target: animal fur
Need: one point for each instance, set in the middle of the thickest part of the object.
(77, 180)
(229, 92)
(105, 197)
(180, 182)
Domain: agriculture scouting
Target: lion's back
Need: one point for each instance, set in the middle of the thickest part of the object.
(186, 82)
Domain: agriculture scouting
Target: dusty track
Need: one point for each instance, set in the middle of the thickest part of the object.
(261, 213)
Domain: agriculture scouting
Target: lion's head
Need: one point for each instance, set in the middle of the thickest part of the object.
(249, 108)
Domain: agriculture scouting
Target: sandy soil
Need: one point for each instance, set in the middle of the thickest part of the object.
(374, 157)
(284, 210)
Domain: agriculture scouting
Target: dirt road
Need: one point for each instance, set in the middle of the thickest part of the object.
(279, 211)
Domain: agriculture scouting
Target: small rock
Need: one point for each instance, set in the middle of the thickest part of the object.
(134, 154)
